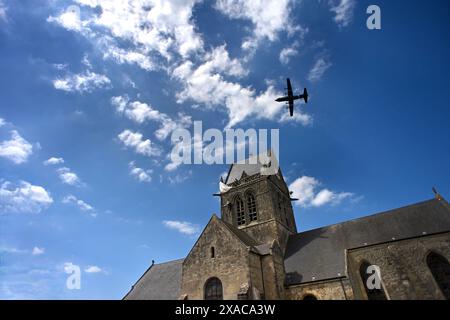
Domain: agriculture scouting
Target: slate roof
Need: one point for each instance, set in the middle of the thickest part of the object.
(250, 166)
(320, 253)
(243, 236)
(160, 282)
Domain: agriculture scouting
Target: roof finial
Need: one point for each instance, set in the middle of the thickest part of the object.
(436, 194)
(153, 262)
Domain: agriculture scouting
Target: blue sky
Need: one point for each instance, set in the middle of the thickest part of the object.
(90, 93)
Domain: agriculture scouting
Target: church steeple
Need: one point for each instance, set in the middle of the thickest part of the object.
(258, 204)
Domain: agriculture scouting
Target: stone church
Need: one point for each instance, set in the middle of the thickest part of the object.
(253, 251)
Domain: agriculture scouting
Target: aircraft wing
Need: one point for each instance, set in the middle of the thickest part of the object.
(291, 107)
(289, 88)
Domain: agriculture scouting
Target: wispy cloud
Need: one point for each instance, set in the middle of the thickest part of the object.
(3, 10)
(343, 10)
(83, 206)
(17, 149)
(11, 250)
(182, 227)
(180, 177)
(82, 82)
(23, 198)
(141, 112)
(135, 140)
(268, 17)
(305, 189)
(139, 173)
(93, 269)
(318, 69)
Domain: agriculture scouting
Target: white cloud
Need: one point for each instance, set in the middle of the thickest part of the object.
(60, 66)
(268, 17)
(53, 161)
(136, 141)
(82, 82)
(317, 71)
(2, 122)
(68, 177)
(129, 56)
(305, 190)
(141, 112)
(83, 206)
(182, 226)
(92, 269)
(343, 10)
(287, 53)
(204, 84)
(139, 173)
(171, 166)
(69, 19)
(37, 251)
(155, 27)
(3, 11)
(298, 116)
(162, 36)
(168, 125)
(69, 267)
(13, 250)
(17, 149)
(23, 198)
(179, 178)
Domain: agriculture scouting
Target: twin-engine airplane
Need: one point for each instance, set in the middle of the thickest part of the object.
(290, 97)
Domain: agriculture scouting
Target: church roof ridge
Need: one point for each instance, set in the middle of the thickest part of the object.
(388, 211)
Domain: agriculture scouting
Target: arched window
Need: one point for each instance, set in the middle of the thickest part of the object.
(213, 289)
(213, 254)
(372, 294)
(251, 206)
(240, 212)
(440, 269)
(309, 297)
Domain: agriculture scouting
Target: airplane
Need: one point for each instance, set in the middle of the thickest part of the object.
(290, 97)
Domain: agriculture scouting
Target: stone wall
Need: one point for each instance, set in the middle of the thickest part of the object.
(230, 263)
(335, 289)
(404, 271)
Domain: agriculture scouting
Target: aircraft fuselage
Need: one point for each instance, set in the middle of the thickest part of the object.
(287, 98)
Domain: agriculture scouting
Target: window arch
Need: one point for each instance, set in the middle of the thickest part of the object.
(440, 269)
(372, 294)
(240, 211)
(213, 289)
(251, 207)
(309, 297)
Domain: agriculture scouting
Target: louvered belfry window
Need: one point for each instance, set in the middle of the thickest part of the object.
(240, 212)
(251, 205)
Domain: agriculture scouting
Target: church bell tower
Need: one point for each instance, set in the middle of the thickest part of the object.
(258, 204)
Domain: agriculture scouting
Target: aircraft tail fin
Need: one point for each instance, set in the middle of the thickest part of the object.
(305, 95)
